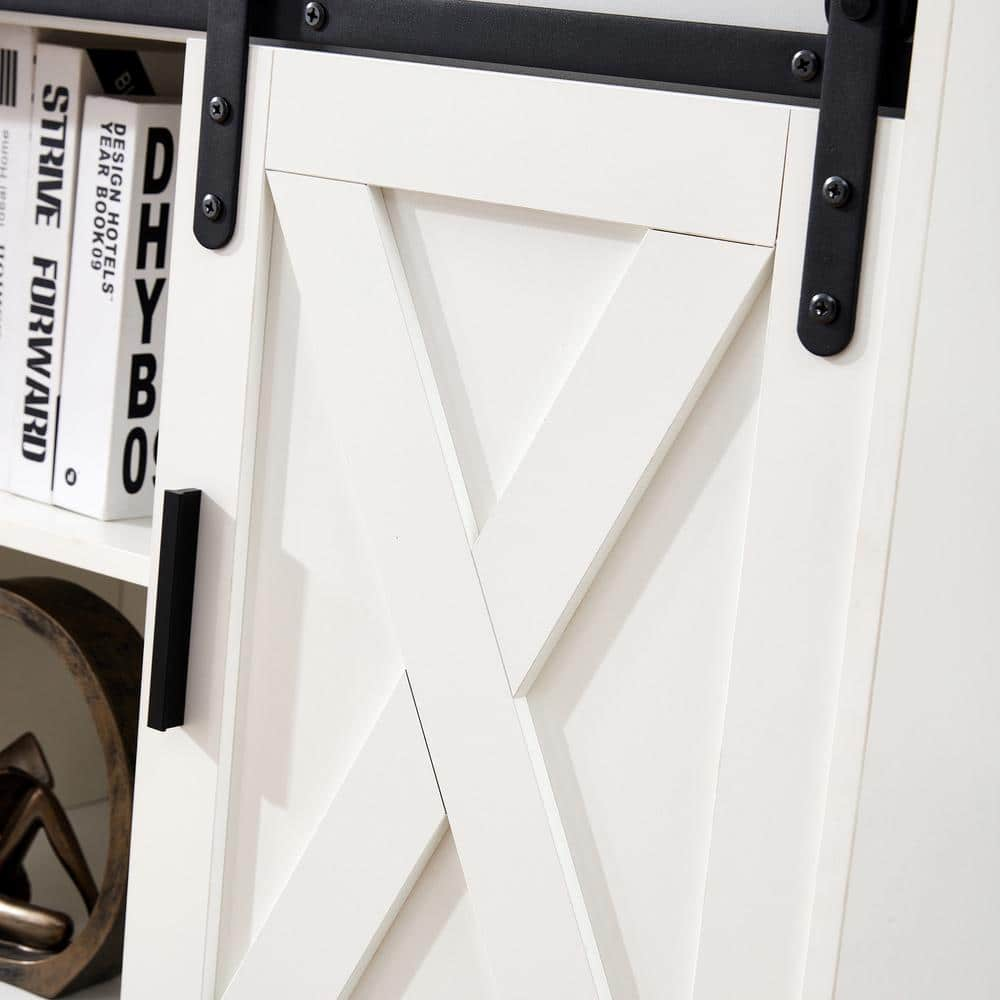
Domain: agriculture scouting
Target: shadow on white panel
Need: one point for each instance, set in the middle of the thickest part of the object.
(432, 950)
(629, 708)
(506, 299)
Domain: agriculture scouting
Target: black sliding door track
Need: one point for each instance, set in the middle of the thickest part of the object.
(860, 69)
(750, 62)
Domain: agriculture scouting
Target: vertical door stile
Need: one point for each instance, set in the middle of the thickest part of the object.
(812, 442)
(908, 251)
(215, 327)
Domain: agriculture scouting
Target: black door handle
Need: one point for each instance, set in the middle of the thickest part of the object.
(174, 608)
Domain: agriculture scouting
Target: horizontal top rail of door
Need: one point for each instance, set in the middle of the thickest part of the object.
(750, 62)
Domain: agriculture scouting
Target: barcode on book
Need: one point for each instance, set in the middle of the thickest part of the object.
(8, 77)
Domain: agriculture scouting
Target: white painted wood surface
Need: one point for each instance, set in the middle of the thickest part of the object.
(626, 399)
(629, 708)
(923, 906)
(584, 149)
(505, 299)
(209, 413)
(318, 657)
(118, 549)
(847, 754)
(382, 827)
(535, 811)
(434, 945)
(812, 441)
(405, 492)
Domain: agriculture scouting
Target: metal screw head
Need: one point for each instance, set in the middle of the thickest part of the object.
(212, 207)
(315, 15)
(836, 191)
(824, 308)
(219, 109)
(805, 65)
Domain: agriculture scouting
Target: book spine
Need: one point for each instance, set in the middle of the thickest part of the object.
(17, 75)
(62, 75)
(106, 454)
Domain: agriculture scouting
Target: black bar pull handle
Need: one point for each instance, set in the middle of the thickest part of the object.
(174, 608)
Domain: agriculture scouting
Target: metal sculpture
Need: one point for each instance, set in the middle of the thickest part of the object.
(29, 807)
(40, 951)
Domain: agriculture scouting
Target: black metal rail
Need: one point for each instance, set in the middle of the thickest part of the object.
(754, 62)
(865, 56)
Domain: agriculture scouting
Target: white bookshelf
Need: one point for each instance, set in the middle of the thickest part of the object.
(118, 549)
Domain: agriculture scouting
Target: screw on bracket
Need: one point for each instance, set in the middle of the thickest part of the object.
(212, 207)
(836, 191)
(805, 65)
(315, 15)
(217, 187)
(219, 110)
(824, 308)
(853, 62)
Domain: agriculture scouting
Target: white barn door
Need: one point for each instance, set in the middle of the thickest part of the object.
(553, 540)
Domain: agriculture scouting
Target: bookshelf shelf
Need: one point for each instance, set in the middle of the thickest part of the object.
(118, 549)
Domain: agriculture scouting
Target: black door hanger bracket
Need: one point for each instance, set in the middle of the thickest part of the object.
(223, 106)
(862, 36)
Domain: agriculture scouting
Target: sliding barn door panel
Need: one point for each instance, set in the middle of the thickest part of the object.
(553, 541)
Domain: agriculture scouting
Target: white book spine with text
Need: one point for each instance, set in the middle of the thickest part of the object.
(62, 77)
(17, 75)
(106, 454)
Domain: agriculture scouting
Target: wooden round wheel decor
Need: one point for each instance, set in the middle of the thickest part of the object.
(103, 654)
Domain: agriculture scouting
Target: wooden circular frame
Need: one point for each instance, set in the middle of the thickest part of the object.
(103, 653)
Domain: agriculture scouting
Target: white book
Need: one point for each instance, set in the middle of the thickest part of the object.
(17, 74)
(64, 76)
(106, 453)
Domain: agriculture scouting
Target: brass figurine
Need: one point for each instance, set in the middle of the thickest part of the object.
(34, 928)
(40, 951)
(27, 807)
